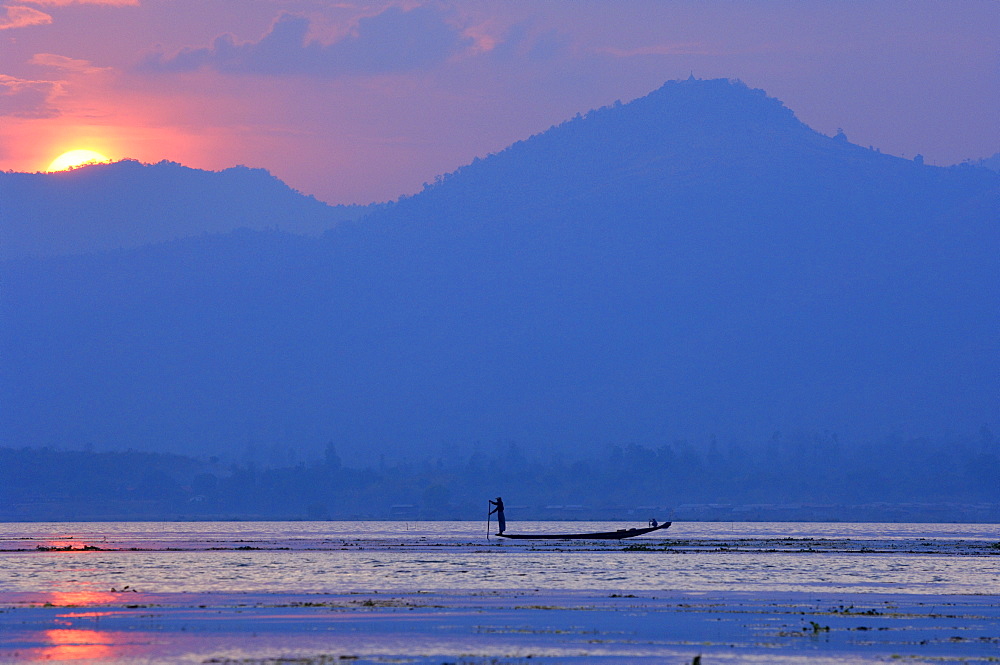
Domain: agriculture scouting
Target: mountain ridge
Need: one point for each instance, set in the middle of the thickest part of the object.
(768, 278)
(127, 204)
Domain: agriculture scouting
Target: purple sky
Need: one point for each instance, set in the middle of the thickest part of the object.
(355, 102)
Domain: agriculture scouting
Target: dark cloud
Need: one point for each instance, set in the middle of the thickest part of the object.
(522, 43)
(27, 99)
(393, 41)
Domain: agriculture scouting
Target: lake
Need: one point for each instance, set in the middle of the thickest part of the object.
(432, 592)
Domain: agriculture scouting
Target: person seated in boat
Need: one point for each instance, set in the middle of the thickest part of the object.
(501, 520)
(653, 523)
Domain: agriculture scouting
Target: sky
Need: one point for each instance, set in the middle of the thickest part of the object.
(355, 102)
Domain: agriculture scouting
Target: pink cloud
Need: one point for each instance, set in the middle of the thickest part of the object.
(22, 17)
(66, 64)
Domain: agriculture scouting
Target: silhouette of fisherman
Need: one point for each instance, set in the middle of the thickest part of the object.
(501, 520)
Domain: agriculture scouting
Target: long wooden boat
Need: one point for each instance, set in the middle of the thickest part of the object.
(600, 535)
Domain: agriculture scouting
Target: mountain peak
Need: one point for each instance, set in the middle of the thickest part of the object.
(715, 104)
(686, 133)
(686, 110)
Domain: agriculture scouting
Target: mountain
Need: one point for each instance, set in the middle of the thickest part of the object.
(694, 264)
(128, 204)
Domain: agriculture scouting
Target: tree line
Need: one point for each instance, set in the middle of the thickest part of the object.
(807, 476)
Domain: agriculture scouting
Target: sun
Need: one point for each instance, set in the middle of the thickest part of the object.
(74, 158)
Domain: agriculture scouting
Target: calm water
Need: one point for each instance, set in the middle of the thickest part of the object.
(343, 557)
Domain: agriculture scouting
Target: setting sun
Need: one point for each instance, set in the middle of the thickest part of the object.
(74, 158)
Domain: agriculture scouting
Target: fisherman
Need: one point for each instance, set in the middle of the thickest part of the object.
(501, 520)
(653, 523)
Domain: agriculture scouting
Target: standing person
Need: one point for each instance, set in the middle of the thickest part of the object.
(501, 520)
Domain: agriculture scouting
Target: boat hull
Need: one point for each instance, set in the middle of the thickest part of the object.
(600, 535)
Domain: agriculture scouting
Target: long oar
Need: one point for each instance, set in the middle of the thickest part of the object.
(488, 513)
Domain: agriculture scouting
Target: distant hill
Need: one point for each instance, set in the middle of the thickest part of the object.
(694, 264)
(992, 163)
(128, 204)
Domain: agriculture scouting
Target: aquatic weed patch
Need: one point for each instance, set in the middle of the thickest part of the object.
(321, 659)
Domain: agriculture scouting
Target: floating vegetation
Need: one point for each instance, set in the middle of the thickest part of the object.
(850, 611)
(816, 629)
(320, 659)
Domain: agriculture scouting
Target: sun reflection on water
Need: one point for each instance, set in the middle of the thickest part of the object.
(79, 598)
(76, 644)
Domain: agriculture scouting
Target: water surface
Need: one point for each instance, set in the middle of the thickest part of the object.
(338, 557)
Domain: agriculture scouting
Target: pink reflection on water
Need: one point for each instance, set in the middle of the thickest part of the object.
(83, 615)
(76, 644)
(79, 598)
(63, 641)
